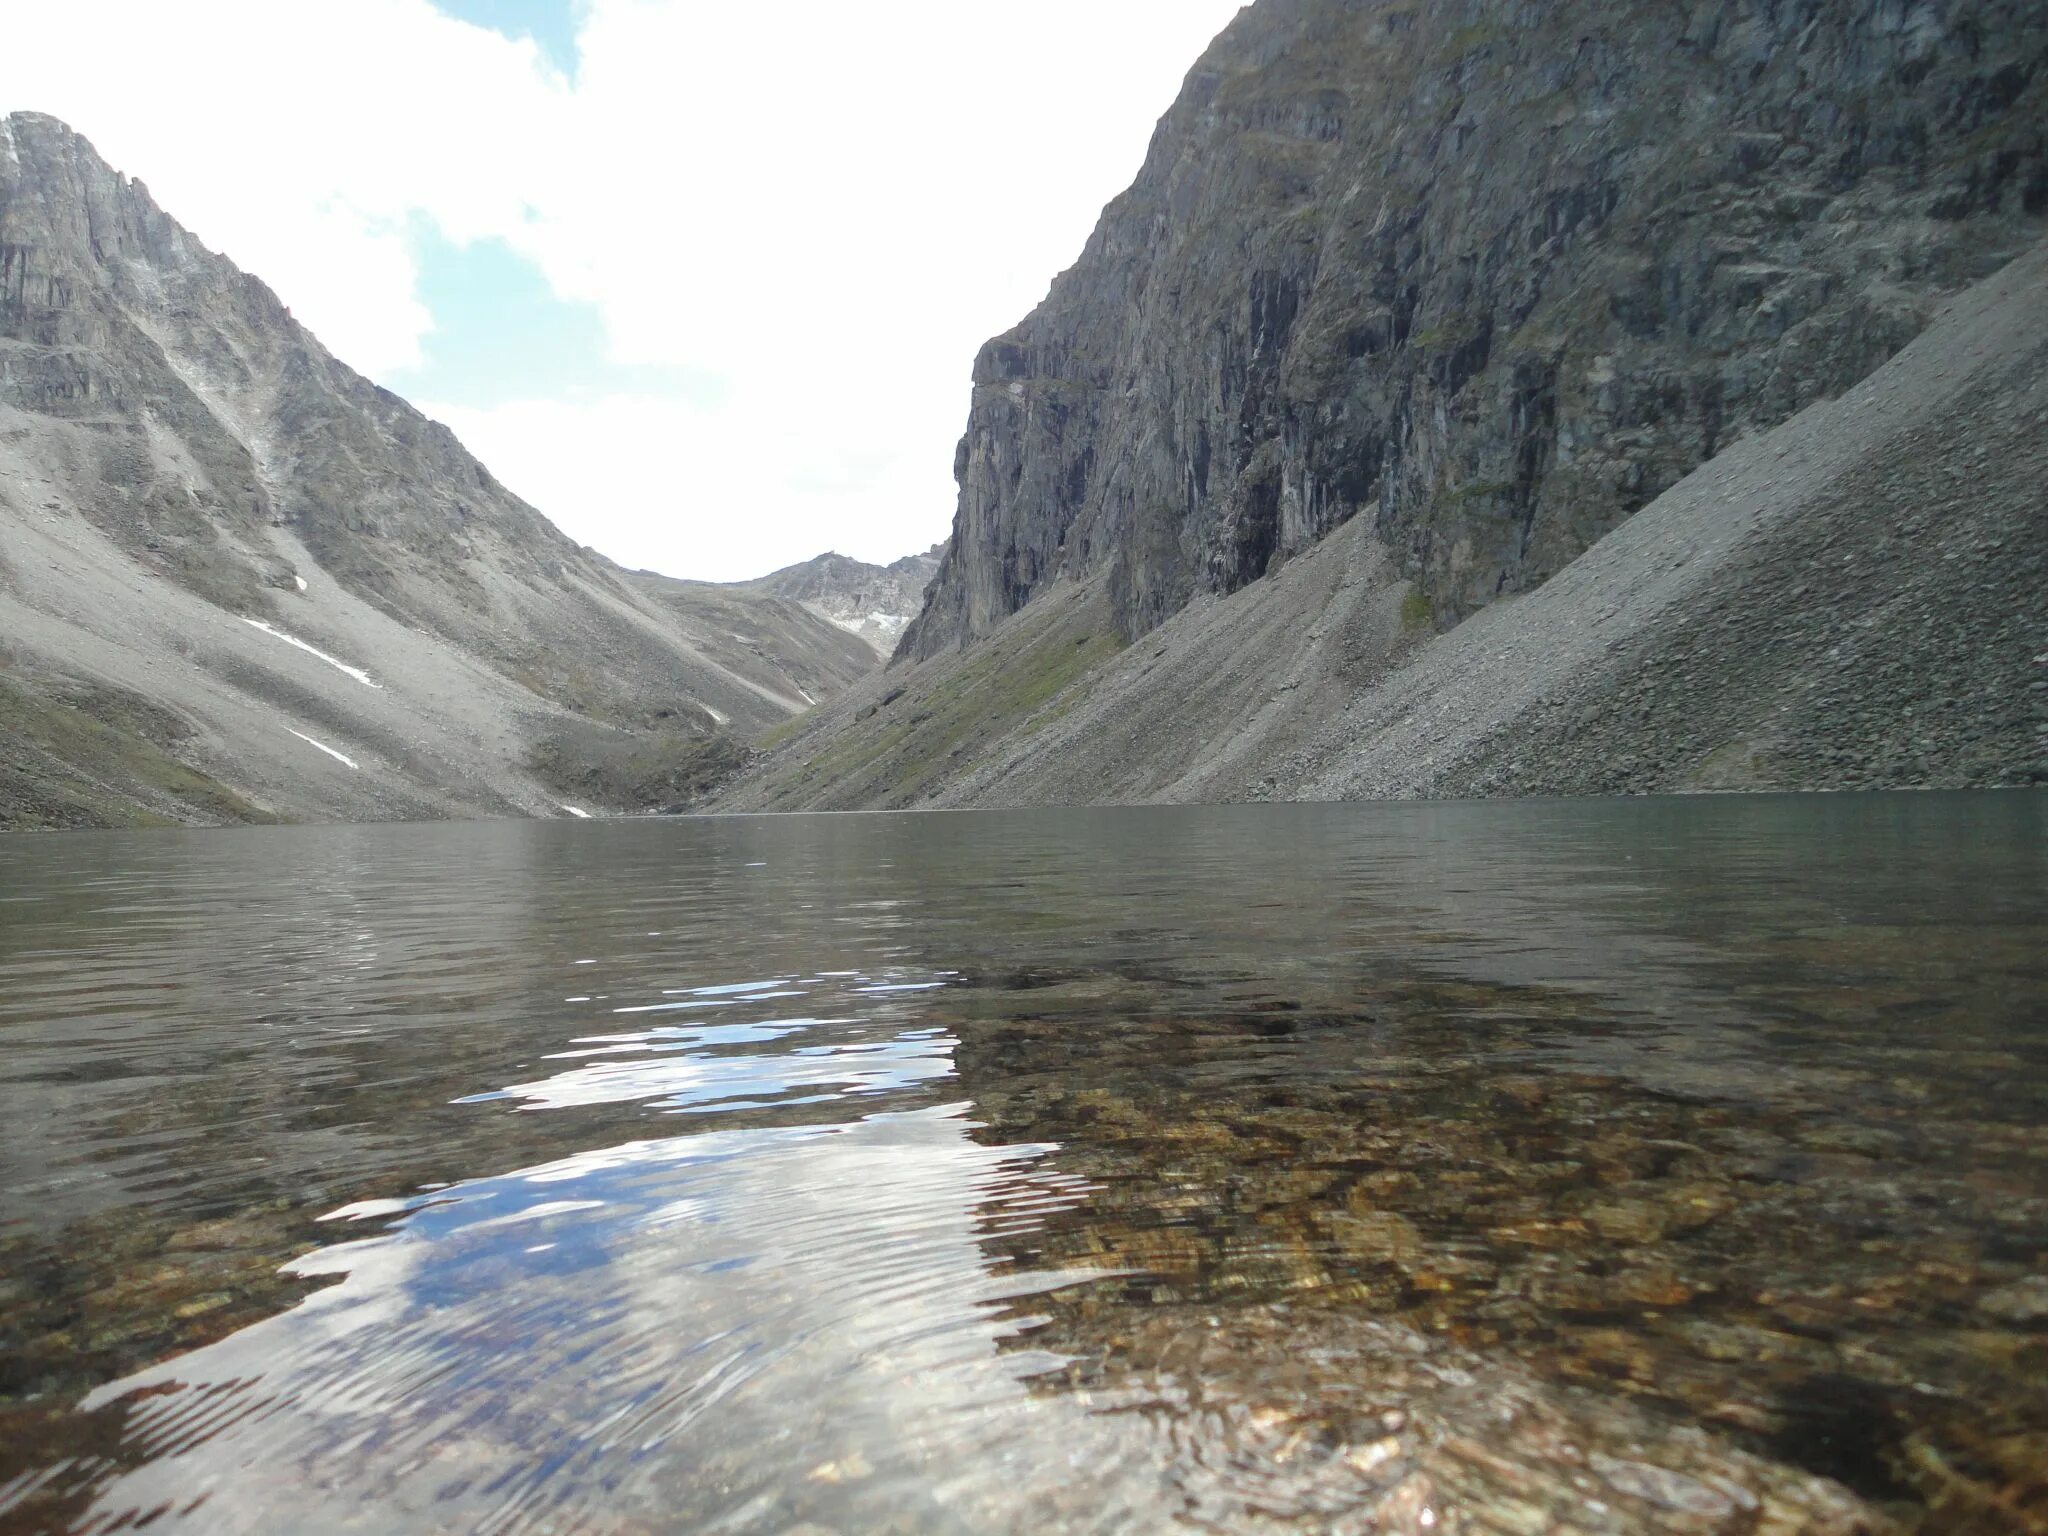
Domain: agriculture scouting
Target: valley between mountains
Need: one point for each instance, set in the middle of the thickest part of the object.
(1471, 399)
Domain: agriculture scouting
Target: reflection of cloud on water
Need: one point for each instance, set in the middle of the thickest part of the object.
(648, 1330)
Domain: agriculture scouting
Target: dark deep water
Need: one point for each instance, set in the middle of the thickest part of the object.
(1638, 1165)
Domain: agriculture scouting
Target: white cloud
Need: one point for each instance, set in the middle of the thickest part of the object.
(829, 205)
(657, 482)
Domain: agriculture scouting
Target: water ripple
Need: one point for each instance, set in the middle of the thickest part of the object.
(630, 1326)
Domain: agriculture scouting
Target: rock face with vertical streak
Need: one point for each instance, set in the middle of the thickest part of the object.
(187, 478)
(1491, 273)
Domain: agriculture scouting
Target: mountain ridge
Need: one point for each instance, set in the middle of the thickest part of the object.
(318, 601)
(1410, 312)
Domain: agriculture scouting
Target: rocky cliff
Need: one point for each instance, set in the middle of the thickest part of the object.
(1489, 274)
(238, 579)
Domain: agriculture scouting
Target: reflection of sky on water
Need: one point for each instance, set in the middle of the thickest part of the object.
(628, 1332)
(717, 1064)
(678, 1070)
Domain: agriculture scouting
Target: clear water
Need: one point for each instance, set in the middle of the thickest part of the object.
(1574, 1166)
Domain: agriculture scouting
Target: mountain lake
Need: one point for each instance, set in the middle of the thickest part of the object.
(1655, 1164)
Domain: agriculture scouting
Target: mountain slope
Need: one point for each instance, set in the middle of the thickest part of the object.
(1849, 601)
(1490, 275)
(276, 589)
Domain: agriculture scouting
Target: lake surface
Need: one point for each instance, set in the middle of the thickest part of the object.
(1605, 1166)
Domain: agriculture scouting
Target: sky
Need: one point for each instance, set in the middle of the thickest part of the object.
(702, 281)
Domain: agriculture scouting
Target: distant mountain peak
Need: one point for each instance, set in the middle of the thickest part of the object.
(876, 602)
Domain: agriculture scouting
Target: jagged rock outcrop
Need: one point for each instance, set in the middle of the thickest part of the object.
(237, 578)
(875, 602)
(1493, 273)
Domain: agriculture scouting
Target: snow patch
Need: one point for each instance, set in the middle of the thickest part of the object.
(580, 815)
(861, 623)
(339, 757)
(718, 715)
(301, 582)
(340, 666)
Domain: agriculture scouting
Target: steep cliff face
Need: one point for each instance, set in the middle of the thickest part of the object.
(225, 554)
(1493, 273)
